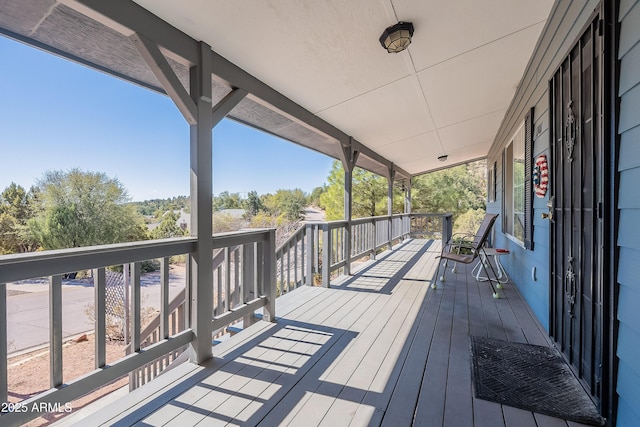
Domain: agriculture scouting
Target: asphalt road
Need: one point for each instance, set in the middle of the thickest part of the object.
(28, 309)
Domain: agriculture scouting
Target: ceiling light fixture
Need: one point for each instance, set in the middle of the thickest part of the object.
(397, 37)
(443, 158)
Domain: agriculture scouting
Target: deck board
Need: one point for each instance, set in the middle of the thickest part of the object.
(377, 348)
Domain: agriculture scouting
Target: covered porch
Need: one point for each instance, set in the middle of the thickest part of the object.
(376, 348)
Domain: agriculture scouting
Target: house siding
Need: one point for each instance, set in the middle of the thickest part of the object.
(566, 21)
(529, 270)
(628, 274)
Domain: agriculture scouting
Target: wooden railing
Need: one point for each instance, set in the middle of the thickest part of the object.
(248, 274)
(319, 249)
(242, 292)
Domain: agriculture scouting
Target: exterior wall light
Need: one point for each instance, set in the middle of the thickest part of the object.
(443, 158)
(397, 37)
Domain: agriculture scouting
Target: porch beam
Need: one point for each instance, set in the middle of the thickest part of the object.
(201, 210)
(227, 104)
(160, 67)
(127, 17)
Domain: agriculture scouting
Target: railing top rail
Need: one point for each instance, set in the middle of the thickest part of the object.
(430, 214)
(292, 238)
(242, 237)
(49, 263)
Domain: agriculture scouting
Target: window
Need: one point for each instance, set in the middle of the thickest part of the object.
(491, 183)
(517, 206)
(514, 187)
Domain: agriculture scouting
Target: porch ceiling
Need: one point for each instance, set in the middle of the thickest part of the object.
(446, 95)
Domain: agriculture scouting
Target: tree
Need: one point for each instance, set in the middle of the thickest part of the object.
(253, 204)
(369, 194)
(314, 197)
(168, 227)
(79, 208)
(455, 190)
(287, 203)
(16, 208)
(226, 200)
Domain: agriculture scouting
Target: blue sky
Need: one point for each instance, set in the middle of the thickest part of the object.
(57, 115)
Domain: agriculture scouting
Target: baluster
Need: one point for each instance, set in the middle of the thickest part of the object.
(310, 254)
(282, 267)
(219, 291)
(295, 262)
(286, 286)
(326, 254)
(248, 270)
(236, 277)
(227, 279)
(258, 270)
(135, 299)
(55, 330)
(164, 297)
(100, 308)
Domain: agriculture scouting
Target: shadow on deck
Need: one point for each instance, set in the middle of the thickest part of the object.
(378, 348)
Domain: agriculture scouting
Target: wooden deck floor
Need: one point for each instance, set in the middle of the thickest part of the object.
(378, 348)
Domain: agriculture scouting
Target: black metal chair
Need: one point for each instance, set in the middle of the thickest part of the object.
(467, 252)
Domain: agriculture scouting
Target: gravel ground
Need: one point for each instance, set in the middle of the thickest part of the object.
(28, 374)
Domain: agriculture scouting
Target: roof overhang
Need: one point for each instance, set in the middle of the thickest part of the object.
(315, 72)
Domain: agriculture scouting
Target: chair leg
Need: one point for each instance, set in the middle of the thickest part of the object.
(496, 295)
(444, 270)
(434, 285)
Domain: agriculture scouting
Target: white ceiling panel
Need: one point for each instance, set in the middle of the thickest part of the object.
(480, 82)
(421, 147)
(400, 112)
(479, 130)
(446, 29)
(456, 157)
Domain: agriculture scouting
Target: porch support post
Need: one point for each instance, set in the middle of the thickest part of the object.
(349, 159)
(390, 177)
(201, 209)
(407, 197)
(407, 207)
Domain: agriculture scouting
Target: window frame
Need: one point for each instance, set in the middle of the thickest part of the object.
(523, 135)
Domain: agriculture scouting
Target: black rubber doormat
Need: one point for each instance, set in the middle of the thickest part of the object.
(529, 377)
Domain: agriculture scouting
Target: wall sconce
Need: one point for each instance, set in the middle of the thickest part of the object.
(397, 37)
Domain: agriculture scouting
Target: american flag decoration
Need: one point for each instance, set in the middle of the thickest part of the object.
(541, 176)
